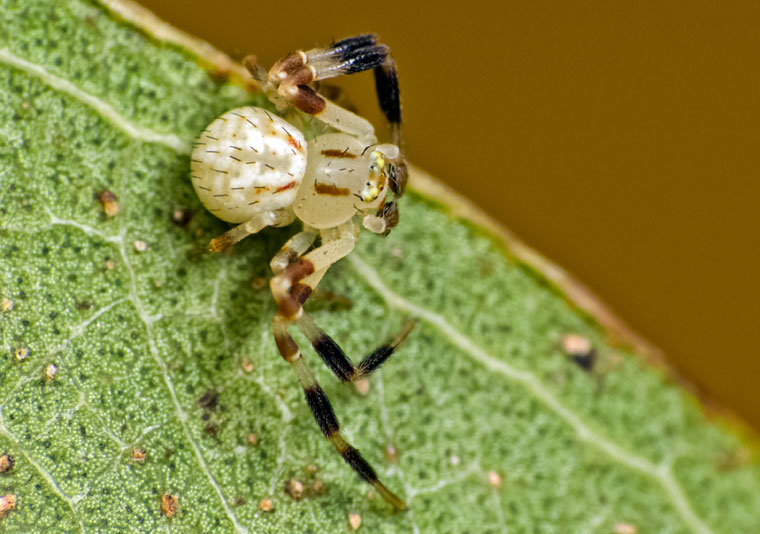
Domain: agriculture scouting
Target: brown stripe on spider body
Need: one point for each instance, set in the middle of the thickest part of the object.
(331, 190)
(336, 153)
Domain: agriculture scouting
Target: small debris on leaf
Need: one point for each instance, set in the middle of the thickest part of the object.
(575, 344)
(294, 489)
(362, 386)
(624, 528)
(21, 353)
(110, 205)
(138, 455)
(580, 350)
(168, 505)
(7, 503)
(6, 305)
(454, 460)
(355, 520)
(6, 463)
(247, 365)
(209, 400)
(181, 217)
(390, 453)
(266, 505)
(110, 265)
(141, 246)
(252, 439)
(259, 282)
(50, 372)
(494, 479)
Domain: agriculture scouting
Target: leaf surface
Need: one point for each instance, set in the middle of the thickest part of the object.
(160, 349)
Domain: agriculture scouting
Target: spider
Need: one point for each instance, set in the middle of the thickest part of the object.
(254, 168)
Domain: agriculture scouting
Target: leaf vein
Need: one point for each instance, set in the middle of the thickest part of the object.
(134, 131)
(44, 473)
(664, 476)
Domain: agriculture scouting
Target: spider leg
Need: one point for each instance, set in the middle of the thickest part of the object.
(288, 81)
(280, 217)
(293, 249)
(290, 288)
(323, 413)
(293, 286)
(337, 360)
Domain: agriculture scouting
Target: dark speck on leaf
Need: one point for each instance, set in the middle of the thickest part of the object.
(585, 361)
(209, 400)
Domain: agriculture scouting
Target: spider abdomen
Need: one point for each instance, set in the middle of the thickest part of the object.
(247, 161)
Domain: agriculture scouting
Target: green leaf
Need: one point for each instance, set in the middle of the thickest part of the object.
(495, 428)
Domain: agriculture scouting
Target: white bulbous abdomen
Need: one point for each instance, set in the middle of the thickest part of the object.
(247, 161)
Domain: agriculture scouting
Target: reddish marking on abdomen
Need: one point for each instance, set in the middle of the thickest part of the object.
(292, 141)
(285, 187)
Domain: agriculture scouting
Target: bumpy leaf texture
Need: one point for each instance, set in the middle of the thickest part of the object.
(161, 350)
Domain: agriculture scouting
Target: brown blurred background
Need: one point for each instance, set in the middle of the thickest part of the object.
(620, 139)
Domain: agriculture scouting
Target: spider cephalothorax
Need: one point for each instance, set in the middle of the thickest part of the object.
(254, 168)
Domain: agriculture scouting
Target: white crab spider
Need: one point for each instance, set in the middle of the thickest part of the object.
(253, 168)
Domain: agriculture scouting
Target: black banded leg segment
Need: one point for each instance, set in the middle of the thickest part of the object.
(346, 46)
(347, 56)
(337, 361)
(386, 84)
(323, 413)
(291, 294)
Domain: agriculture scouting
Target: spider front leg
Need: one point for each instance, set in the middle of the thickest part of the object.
(291, 287)
(289, 79)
